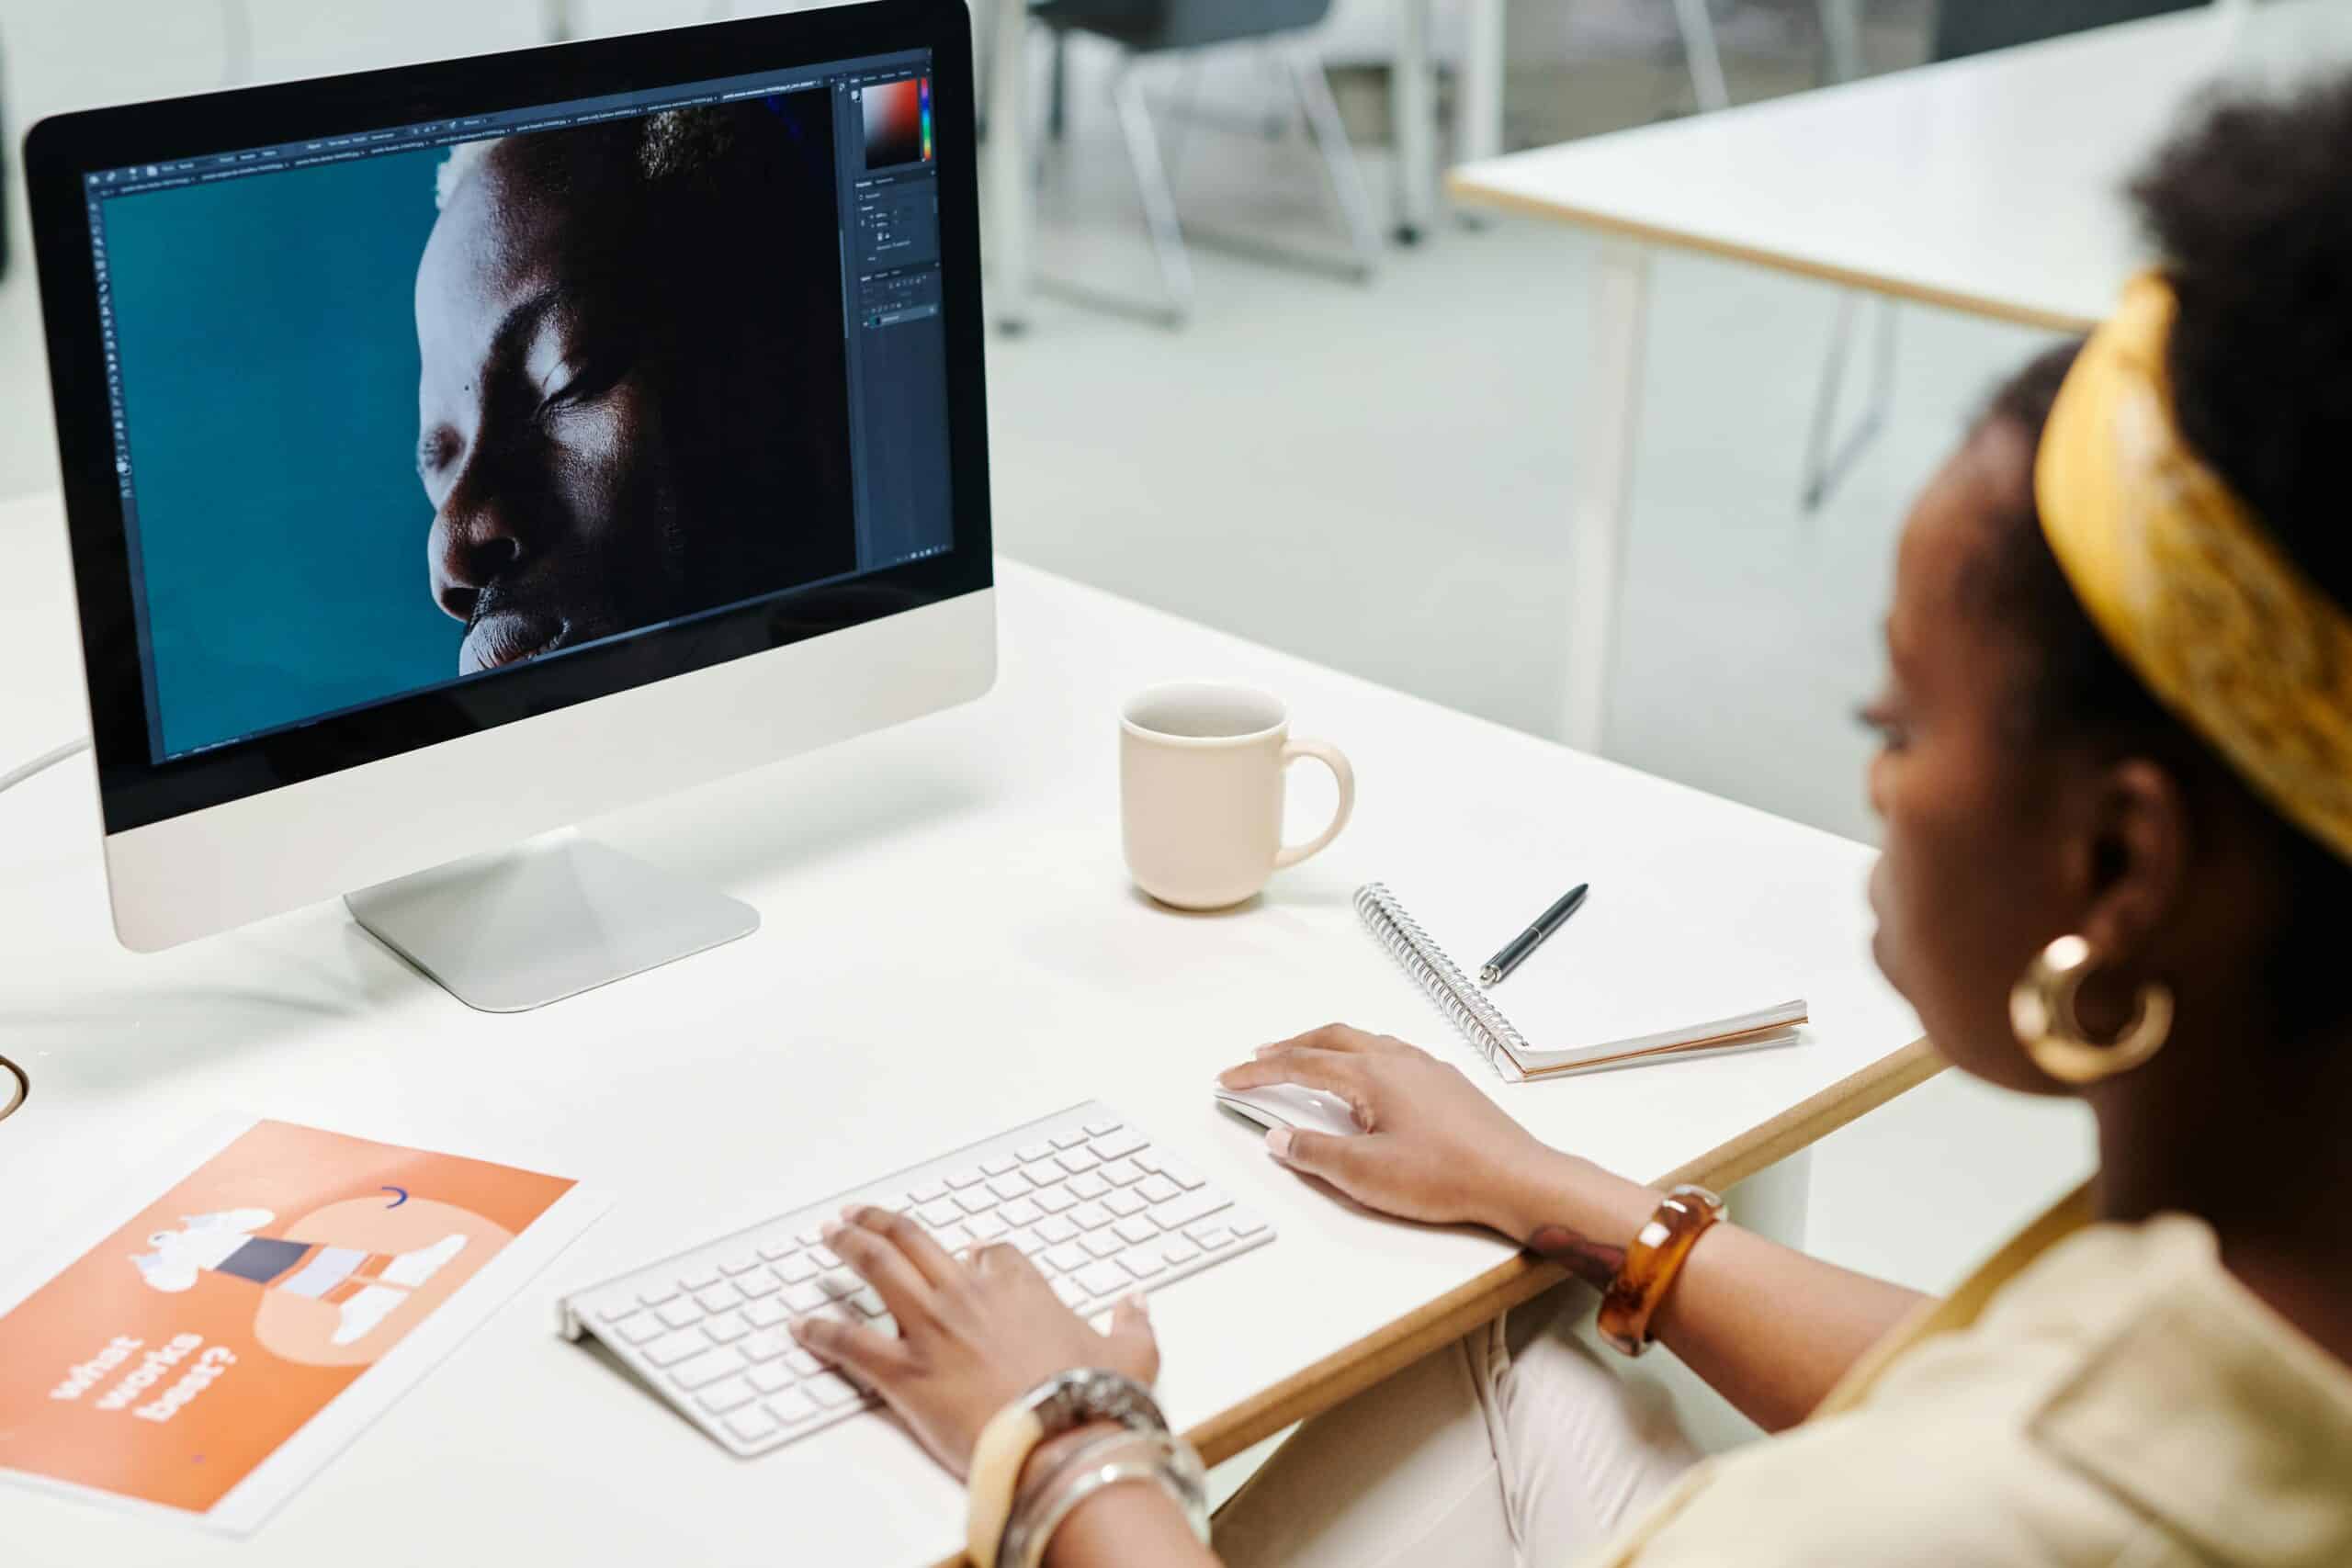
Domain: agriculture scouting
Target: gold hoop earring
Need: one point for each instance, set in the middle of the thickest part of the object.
(2041, 1011)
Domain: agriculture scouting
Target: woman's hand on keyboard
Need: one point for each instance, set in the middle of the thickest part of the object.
(1433, 1147)
(974, 1333)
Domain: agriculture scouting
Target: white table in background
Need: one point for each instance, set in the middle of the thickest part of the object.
(1009, 157)
(950, 947)
(1991, 186)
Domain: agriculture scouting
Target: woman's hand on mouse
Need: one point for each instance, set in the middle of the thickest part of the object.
(1433, 1147)
(974, 1333)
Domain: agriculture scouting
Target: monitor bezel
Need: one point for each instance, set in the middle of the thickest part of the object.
(134, 790)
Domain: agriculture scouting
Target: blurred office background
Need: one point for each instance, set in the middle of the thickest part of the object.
(1375, 473)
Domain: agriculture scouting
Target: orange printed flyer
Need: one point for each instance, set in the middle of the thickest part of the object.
(269, 1294)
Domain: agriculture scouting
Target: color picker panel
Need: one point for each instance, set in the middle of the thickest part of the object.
(898, 123)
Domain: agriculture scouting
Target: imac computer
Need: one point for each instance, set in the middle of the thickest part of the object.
(455, 452)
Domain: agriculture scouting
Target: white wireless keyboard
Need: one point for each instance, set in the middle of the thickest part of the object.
(1099, 1208)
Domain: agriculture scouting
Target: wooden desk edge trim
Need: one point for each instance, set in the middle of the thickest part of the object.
(1520, 1278)
(1470, 191)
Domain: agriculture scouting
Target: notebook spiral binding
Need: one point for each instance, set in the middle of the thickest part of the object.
(1488, 1032)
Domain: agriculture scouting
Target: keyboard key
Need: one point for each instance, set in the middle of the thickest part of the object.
(824, 1258)
(671, 1349)
(796, 1269)
(639, 1329)
(721, 1397)
(1076, 1160)
(1210, 1239)
(1183, 1174)
(975, 1199)
(765, 1314)
(727, 1328)
(804, 1298)
(967, 1176)
(1101, 1129)
(707, 1368)
(1118, 1144)
(1055, 1200)
(661, 1290)
(868, 1301)
(839, 1283)
(1021, 1211)
(1148, 1158)
(751, 1426)
(758, 1283)
(1011, 1187)
(1028, 1243)
(792, 1407)
(952, 1238)
(1054, 1228)
(741, 1263)
(1101, 1244)
(831, 1389)
(886, 1326)
(1137, 1229)
(764, 1346)
(1045, 1173)
(943, 1213)
(1178, 1253)
(1156, 1190)
(778, 1248)
(928, 1192)
(1087, 1185)
(986, 1228)
(1183, 1211)
(1091, 1216)
(1246, 1225)
(813, 1235)
(615, 1310)
(1122, 1202)
(770, 1376)
(999, 1164)
(1067, 1258)
(1071, 1293)
(1029, 1153)
(1069, 1140)
(802, 1362)
(1103, 1278)
(681, 1312)
(719, 1298)
(1143, 1263)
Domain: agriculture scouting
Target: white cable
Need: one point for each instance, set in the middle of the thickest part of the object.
(41, 763)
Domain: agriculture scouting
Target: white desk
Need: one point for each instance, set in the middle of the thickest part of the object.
(950, 947)
(1991, 186)
(1011, 195)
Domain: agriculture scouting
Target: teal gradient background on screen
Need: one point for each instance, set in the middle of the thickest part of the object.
(267, 335)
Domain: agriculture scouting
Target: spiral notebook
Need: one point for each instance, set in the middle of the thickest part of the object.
(1570, 1009)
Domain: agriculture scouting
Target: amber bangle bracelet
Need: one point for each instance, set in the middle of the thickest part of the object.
(1651, 1264)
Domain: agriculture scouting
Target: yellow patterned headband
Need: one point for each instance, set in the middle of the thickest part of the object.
(2186, 584)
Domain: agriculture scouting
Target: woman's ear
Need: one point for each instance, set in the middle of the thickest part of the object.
(2139, 850)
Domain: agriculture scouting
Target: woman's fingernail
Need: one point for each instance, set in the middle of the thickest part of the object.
(1134, 1300)
(829, 1230)
(1278, 1142)
(1262, 1050)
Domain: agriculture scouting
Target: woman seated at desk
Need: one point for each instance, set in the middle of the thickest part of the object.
(2116, 780)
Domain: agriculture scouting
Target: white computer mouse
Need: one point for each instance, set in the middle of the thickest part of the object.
(1288, 1105)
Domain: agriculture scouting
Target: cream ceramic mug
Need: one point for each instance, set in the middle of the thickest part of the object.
(1200, 774)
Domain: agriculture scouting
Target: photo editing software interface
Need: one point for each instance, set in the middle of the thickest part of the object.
(404, 407)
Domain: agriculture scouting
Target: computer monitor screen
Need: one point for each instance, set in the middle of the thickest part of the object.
(414, 406)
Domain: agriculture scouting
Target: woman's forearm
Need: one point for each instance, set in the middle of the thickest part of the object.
(1767, 1328)
(1134, 1525)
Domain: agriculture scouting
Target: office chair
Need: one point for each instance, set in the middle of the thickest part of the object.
(1146, 29)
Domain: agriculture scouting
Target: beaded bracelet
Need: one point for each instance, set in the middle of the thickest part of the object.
(1161, 1458)
(1651, 1264)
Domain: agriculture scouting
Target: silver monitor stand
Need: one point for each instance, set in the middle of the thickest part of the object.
(521, 928)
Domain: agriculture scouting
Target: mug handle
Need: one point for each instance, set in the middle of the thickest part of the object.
(1329, 756)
